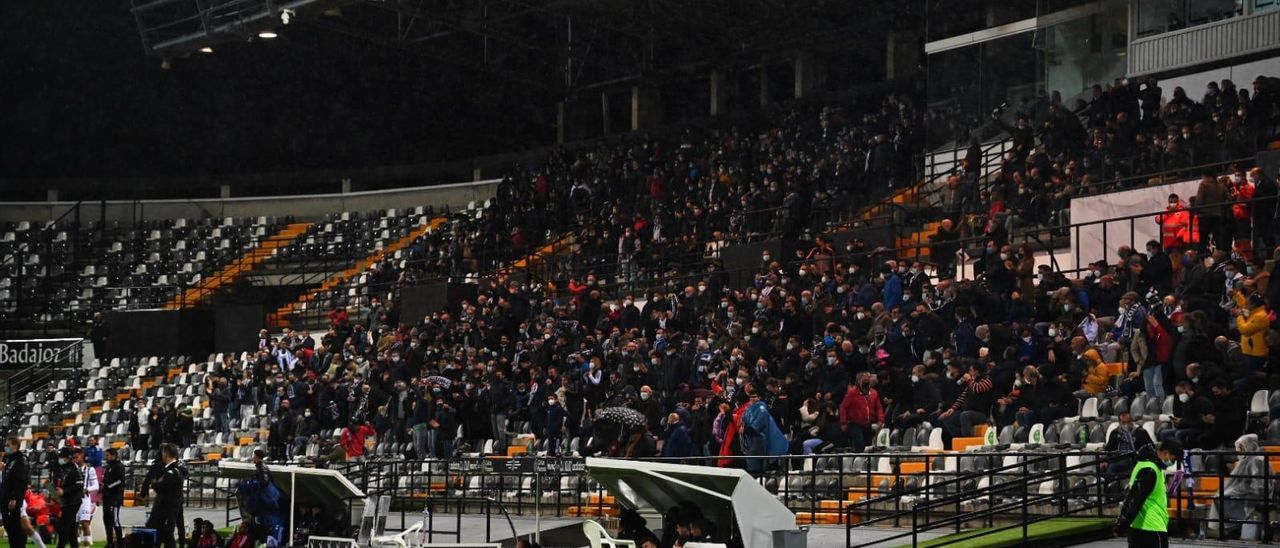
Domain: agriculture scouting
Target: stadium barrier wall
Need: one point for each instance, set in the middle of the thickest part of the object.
(1099, 241)
(455, 196)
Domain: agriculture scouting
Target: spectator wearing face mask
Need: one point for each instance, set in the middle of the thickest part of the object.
(1192, 417)
(651, 408)
(1253, 322)
(860, 412)
(1088, 368)
(1125, 441)
(923, 396)
(973, 405)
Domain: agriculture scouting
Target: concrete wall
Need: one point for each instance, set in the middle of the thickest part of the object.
(303, 207)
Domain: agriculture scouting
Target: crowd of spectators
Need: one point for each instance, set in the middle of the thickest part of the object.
(816, 352)
(811, 355)
(1128, 134)
(653, 206)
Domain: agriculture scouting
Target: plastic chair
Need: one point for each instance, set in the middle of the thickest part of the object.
(597, 537)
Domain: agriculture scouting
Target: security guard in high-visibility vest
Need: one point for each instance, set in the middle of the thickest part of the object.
(1144, 514)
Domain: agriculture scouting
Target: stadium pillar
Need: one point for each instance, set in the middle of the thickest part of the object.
(646, 110)
(764, 84)
(719, 93)
(562, 118)
(604, 110)
(902, 54)
(224, 191)
(806, 75)
(52, 195)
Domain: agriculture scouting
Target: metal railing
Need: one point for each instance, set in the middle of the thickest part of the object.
(991, 493)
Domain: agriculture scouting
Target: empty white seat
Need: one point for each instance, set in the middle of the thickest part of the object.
(1259, 403)
(1090, 409)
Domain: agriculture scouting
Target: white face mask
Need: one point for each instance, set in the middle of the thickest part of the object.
(644, 395)
(831, 360)
(1053, 332)
(1184, 397)
(862, 316)
(791, 346)
(1182, 329)
(1066, 308)
(915, 378)
(1017, 383)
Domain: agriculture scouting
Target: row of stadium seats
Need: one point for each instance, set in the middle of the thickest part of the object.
(55, 273)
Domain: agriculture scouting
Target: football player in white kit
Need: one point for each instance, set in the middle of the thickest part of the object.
(85, 514)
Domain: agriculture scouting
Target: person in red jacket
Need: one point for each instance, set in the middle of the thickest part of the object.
(1160, 352)
(353, 438)
(860, 411)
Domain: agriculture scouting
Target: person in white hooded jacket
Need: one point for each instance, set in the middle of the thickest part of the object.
(1242, 491)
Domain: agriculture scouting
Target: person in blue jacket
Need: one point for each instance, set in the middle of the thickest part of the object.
(679, 444)
(892, 286)
(760, 434)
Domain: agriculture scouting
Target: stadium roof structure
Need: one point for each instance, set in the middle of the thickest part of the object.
(555, 45)
(725, 495)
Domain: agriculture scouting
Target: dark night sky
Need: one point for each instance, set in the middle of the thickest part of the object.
(80, 99)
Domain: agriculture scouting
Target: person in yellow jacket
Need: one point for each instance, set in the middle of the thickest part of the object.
(1094, 379)
(1252, 321)
(1144, 514)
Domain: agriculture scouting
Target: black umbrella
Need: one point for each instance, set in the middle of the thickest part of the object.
(625, 416)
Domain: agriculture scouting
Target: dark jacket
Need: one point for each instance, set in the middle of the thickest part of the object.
(556, 417)
(679, 444)
(168, 487)
(17, 477)
(71, 481)
(113, 476)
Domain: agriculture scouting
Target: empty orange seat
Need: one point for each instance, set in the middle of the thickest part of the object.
(960, 444)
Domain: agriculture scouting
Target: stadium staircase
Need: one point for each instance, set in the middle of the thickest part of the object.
(281, 317)
(236, 269)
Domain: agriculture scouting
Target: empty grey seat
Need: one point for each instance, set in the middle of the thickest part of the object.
(1138, 407)
(1106, 407)
(1153, 406)
(1097, 433)
(1067, 434)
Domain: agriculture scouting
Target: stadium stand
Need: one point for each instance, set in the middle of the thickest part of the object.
(814, 355)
